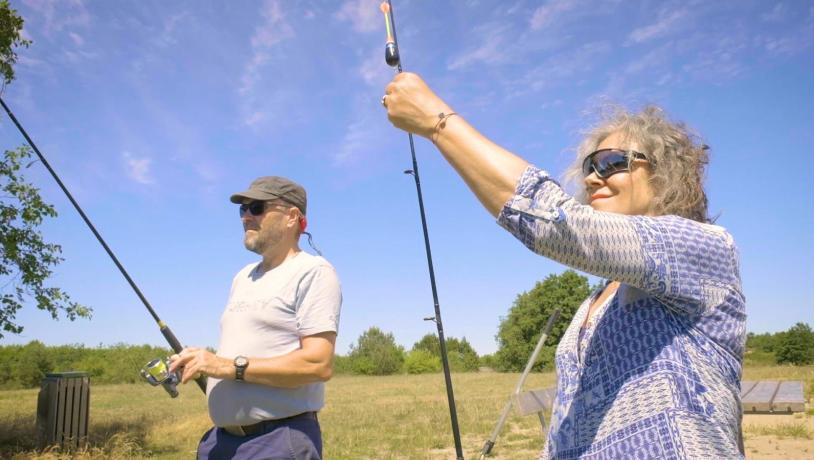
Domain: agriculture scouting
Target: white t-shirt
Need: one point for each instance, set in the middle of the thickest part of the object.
(266, 316)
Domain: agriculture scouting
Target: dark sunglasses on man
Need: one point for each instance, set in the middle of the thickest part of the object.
(257, 208)
(607, 162)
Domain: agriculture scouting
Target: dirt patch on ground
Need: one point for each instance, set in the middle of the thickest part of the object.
(770, 436)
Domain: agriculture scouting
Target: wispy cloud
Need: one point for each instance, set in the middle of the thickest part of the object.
(138, 168)
(78, 56)
(372, 71)
(355, 139)
(169, 29)
(490, 50)
(716, 57)
(669, 20)
(777, 14)
(58, 14)
(364, 15)
(362, 141)
(560, 69)
(77, 39)
(273, 30)
(551, 12)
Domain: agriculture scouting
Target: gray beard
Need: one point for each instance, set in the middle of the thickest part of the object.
(260, 242)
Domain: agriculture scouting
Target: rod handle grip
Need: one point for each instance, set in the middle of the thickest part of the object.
(177, 347)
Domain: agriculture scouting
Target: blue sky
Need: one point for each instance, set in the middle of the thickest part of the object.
(154, 112)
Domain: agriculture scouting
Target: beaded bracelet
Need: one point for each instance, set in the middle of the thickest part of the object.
(442, 122)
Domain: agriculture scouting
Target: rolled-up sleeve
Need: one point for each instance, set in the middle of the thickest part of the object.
(689, 265)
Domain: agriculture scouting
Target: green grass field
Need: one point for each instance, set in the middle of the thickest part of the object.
(394, 417)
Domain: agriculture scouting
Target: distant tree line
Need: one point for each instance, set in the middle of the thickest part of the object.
(24, 366)
(794, 346)
(376, 352)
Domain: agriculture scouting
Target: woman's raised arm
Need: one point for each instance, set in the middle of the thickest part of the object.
(490, 171)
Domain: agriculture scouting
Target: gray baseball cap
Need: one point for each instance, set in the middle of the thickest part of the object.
(274, 187)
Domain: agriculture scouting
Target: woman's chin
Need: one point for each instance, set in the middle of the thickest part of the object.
(602, 204)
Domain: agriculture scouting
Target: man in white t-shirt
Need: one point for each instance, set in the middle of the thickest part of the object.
(278, 333)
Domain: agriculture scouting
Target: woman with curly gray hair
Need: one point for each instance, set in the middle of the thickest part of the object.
(650, 365)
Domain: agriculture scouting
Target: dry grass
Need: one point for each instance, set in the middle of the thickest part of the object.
(795, 430)
(395, 417)
(391, 417)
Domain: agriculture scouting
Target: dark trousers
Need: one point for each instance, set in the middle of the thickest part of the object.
(295, 438)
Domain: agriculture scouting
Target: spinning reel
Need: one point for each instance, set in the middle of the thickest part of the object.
(157, 372)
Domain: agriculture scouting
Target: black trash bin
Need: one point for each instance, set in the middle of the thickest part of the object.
(62, 409)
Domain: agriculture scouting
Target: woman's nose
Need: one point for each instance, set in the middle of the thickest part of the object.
(593, 180)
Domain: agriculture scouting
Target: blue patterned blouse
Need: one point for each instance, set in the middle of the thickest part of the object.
(656, 373)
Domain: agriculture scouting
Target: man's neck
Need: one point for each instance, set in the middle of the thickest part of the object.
(275, 259)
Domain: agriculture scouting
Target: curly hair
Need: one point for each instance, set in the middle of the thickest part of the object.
(677, 159)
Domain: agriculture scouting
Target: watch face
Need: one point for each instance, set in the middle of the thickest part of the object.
(241, 361)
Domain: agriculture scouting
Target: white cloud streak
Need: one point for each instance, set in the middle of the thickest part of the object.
(491, 50)
(667, 23)
(364, 15)
(777, 14)
(138, 168)
(77, 39)
(272, 31)
(551, 12)
(564, 68)
(59, 14)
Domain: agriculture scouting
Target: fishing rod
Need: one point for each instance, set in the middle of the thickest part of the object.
(165, 330)
(391, 56)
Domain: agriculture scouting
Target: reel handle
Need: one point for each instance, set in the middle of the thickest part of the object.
(177, 347)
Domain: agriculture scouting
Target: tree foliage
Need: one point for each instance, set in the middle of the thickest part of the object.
(24, 366)
(11, 24)
(796, 346)
(462, 357)
(793, 346)
(26, 259)
(519, 332)
(420, 361)
(376, 353)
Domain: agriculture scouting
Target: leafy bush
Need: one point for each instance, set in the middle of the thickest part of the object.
(24, 366)
(796, 346)
(376, 353)
(488, 361)
(342, 365)
(421, 362)
(462, 357)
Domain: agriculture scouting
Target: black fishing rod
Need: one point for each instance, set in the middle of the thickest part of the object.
(393, 59)
(165, 330)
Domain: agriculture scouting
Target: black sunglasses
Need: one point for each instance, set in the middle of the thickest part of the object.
(607, 162)
(256, 208)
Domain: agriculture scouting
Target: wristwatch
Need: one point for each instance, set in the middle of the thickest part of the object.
(241, 363)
